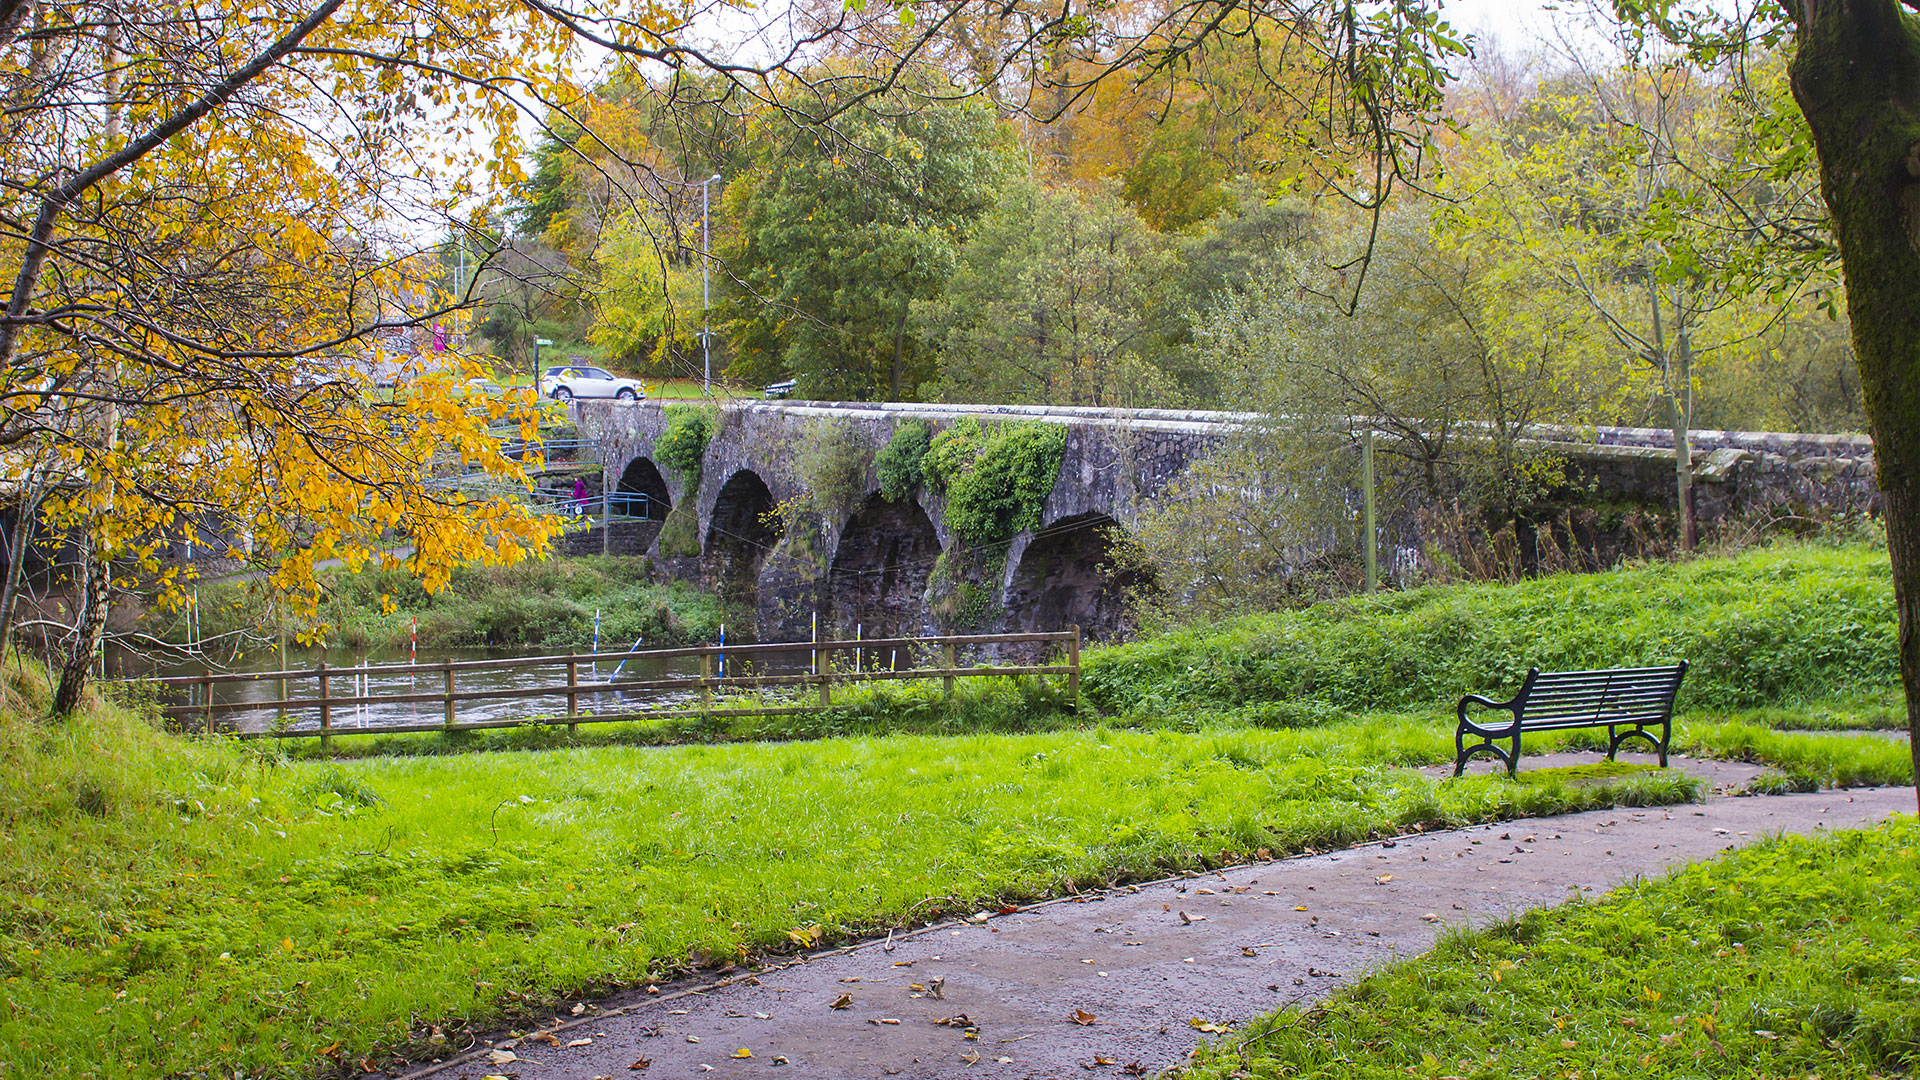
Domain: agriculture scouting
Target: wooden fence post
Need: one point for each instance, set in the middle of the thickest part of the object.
(446, 668)
(206, 700)
(573, 694)
(952, 663)
(326, 705)
(1073, 677)
(706, 680)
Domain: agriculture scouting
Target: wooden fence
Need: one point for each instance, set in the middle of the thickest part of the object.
(712, 678)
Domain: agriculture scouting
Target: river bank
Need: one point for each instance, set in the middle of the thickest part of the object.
(551, 604)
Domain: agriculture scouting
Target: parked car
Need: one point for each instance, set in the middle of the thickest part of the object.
(570, 381)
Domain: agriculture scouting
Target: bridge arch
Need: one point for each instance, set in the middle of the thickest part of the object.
(1066, 577)
(742, 529)
(880, 570)
(642, 492)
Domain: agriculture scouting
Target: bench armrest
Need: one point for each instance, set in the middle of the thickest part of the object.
(1460, 711)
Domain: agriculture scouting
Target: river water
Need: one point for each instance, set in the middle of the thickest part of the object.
(392, 714)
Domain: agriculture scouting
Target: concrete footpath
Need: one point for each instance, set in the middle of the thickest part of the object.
(1126, 982)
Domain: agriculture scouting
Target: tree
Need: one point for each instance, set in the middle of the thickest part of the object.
(1056, 300)
(1855, 73)
(840, 228)
(1441, 361)
(206, 222)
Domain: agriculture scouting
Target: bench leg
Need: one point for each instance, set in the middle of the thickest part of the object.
(1513, 763)
(1466, 753)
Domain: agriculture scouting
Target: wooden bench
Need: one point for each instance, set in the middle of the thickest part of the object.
(1628, 702)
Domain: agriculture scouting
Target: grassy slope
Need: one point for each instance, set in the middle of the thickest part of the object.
(1775, 626)
(1795, 958)
(256, 913)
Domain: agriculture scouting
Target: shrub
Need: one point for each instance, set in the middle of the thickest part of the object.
(899, 462)
(684, 444)
(996, 480)
(833, 464)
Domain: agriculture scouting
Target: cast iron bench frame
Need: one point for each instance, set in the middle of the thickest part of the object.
(1628, 702)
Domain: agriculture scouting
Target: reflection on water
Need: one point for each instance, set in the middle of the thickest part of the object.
(395, 714)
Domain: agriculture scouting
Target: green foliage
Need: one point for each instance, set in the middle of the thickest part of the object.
(1057, 299)
(683, 445)
(841, 228)
(996, 478)
(833, 461)
(1794, 957)
(899, 463)
(546, 604)
(1791, 623)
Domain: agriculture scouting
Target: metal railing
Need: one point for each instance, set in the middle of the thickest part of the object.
(710, 685)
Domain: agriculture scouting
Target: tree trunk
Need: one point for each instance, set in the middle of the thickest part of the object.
(1856, 75)
(16, 561)
(88, 633)
(1682, 434)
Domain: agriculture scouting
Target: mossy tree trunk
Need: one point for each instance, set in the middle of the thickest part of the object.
(1856, 75)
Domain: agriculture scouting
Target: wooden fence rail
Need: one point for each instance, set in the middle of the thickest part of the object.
(820, 674)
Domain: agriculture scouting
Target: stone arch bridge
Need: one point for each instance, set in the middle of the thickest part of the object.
(892, 568)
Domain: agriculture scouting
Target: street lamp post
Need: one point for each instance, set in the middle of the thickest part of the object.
(706, 294)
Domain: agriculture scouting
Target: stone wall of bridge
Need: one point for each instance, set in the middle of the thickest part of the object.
(896, 568)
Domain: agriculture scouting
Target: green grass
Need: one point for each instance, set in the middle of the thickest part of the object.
(545, 604)
(1797, 957)
(175, 909)
(1780, 626)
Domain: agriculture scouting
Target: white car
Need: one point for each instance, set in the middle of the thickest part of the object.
(580, 381)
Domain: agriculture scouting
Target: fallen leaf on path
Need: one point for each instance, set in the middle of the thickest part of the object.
(888, 1020)
(502, 1057)
(841, 1002)
(1207, 1026)
(1430, 917)
(1134, 1068)
(573, 1043)
(693, 1038)
(1384, 878)
(1096, 1063)
(546, 1037)
(1203, 892)
(959, 1021)
(1244, 951)
(1082, 1017)
(743, 1052)
(779, 1059)
(1299, 907)
(577, 1010)
(641, 1064)
(971, 1057)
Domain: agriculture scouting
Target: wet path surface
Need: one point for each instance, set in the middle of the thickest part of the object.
(1120, 981)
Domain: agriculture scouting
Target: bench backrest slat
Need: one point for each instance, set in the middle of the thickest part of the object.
(1624, 695)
